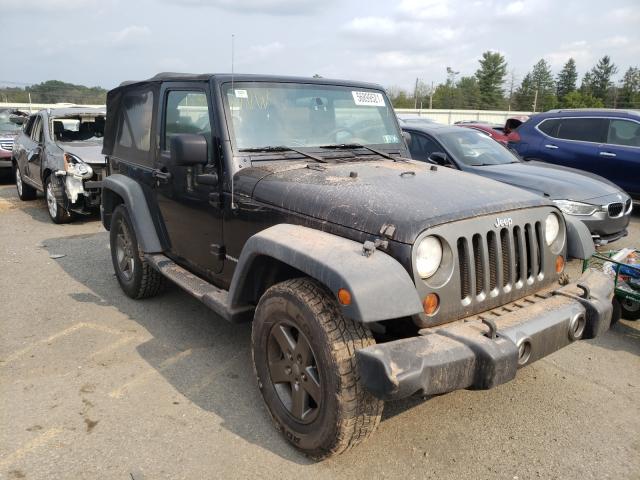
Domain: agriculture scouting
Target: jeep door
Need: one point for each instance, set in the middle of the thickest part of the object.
(188, 198)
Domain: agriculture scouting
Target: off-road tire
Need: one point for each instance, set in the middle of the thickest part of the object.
(144, 281)
(347, 414)
(57, 214)
(25, 192)
(630, 309)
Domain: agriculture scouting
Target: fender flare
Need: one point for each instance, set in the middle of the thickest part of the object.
(134, 199)
(380, 287)
(579, 240)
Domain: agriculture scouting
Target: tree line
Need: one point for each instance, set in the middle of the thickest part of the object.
(493, 87)
(54, 91)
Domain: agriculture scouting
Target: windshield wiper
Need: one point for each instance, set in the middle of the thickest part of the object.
(282, 148)
(347, 146)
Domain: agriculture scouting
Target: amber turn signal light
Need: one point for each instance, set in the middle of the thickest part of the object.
(559, 264)
(430, 304)
(344, 297)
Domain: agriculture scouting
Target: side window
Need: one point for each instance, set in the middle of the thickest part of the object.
(422, 146)
(584, 129)
(28, 127)
(624, 132)
(186, 112)
(550, 127)
(134, 130)
(36, 134)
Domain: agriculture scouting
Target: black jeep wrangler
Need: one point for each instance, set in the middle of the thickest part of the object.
(290, 203)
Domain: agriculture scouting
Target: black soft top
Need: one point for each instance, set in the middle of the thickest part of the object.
(153, 84)
(244, 77)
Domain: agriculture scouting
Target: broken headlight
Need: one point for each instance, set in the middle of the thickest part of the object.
(74, 166)
(575, 208)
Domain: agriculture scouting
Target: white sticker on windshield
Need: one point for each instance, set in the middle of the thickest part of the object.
(370, 99)
(242, 94)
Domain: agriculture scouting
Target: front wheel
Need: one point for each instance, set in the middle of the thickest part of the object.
(53, 193)
(304, 360)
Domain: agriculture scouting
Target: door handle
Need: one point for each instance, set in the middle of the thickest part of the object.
(552, 147)
(161, 176)
(607, 154)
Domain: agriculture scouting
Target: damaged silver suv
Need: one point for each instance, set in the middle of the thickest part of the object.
(58, 152)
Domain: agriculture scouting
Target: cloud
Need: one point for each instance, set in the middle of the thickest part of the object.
(30, 6)
(269, 7)
(579, 50)
(131, 35)
(267, 49)
(426, 9)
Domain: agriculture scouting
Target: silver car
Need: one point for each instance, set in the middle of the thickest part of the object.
(59, 152)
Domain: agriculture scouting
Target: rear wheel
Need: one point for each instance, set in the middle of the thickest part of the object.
(25, 192)
(304, 359)
(137, 278)
(54, 194)
(630, 309)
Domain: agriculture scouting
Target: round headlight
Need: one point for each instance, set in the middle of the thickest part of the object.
(428, 256)
(551, 228)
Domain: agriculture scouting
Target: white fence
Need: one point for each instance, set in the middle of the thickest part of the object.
(452, 116)
(441, 116)
(34, 107)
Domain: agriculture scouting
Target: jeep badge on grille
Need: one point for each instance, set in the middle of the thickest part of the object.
(503, 222)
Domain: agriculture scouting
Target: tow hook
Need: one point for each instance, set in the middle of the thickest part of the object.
(493, 330)
(586, 292)
(369, 247)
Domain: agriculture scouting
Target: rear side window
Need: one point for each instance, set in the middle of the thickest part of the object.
(583, 129)
(36, 134)
(550, 127)
(624, 132)
(134, 128)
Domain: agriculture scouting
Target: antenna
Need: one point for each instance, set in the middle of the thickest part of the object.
(233, 92)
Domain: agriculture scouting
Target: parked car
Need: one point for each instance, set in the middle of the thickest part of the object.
(603, 207)
(368, 277)
(600, 141)
(59, 153)
(414, 120)
(495, 132)
(10, 125)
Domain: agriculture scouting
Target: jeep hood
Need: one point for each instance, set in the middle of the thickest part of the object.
(549, 180)
(89, 152)
(366, 195)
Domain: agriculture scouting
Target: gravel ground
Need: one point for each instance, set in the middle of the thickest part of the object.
(95, 385)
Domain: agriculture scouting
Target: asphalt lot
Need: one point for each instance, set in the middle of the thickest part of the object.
(95, 385)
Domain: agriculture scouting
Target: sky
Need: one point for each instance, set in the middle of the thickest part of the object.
(104, 42)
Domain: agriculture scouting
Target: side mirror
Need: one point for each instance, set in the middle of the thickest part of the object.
(439, 158)
(407, 138)
(188, 149)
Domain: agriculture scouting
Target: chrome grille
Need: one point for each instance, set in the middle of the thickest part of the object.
(6, 144)
(615, 209)
(488, 265)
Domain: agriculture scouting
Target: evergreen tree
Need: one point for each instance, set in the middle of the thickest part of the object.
(630, 91)
(601, 80)
(524, 95)
(468, 93)
(567, 79)
(491, 76)
(543, 83)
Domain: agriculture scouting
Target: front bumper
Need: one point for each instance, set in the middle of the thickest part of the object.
(461, 354)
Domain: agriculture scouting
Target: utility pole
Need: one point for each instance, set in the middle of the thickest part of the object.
(415, 96)
(535, 101)
(431, 97)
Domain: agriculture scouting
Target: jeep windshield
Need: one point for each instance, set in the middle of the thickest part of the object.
(279, 116)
